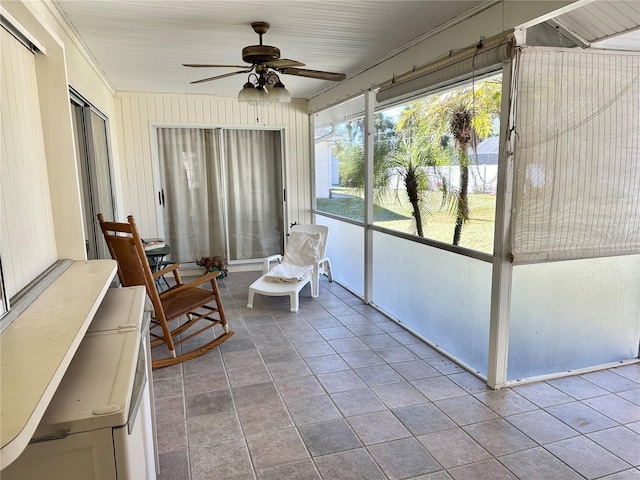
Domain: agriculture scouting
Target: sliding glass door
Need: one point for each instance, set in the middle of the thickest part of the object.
(221, 192)
(192, 206)
(92, 154)
(254, 193)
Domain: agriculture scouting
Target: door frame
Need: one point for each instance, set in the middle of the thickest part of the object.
(218, 130)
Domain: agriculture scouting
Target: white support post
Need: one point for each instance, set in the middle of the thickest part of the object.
(502, 268)
(314, 172)
(369, 104)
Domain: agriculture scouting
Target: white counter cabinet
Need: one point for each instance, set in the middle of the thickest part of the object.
(98, 424)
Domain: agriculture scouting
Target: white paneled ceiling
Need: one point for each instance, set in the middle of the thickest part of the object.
(600, 20)
(140, 45)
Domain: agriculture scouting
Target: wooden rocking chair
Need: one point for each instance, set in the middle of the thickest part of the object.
(197, 304)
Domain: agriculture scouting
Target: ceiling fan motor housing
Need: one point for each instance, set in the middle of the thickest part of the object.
(256, 54)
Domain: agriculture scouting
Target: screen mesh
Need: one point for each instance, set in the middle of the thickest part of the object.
(576, 157)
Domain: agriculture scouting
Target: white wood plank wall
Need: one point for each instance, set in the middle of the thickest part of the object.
(28, 243)
(138, 113)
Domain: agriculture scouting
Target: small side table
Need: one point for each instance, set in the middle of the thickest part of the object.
(156, 258)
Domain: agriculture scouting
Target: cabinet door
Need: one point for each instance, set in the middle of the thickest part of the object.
(135, 449)
(81, 456)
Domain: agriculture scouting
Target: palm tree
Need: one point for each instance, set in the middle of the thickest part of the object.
(404, 154)
(463, 133)
(410, 160)
(352, 168)
(419, 142)
(467, 114)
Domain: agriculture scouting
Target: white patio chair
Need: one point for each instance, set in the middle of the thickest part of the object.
(303, 262)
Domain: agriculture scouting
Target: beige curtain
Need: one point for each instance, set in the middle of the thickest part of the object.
(255, 196)
(193, 193)
(239, 218)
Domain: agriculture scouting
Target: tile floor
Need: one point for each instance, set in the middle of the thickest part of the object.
(337, 391)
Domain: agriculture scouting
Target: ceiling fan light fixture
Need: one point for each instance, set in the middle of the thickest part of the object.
(254, 95)
(262, 96)
(278, 93)
(263, 88)
(249, 94)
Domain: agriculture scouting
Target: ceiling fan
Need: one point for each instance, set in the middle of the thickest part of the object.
(264, 60)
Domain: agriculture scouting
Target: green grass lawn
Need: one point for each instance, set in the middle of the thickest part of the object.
(395, 213)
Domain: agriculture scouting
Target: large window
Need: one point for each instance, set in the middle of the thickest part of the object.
(436, 162)
(339, 160)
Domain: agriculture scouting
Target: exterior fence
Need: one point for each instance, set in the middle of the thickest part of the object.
(482, 178)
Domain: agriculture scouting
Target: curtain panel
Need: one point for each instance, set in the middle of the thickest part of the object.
(577, 155)
(192, 183)
(254, 188)
(222, 192)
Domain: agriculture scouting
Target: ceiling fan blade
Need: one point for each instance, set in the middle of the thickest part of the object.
(302, 72)
(221, 76)
(284, 63)
(202, 65)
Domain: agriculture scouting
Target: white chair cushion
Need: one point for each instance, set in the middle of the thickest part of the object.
(303, 248)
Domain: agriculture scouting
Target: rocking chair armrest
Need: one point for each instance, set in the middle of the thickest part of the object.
(207, 277)
(267, 262)
(173, 268)
(167, 269)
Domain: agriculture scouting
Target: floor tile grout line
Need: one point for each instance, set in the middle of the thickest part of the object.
(281, 399)
(369, 388)
(343, 417)
(235, 410)
(468, 394)
(389, 409)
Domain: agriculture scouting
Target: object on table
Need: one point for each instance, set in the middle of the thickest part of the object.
(153, 244)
